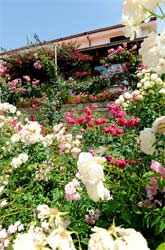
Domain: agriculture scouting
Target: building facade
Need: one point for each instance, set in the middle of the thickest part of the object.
(95, 42)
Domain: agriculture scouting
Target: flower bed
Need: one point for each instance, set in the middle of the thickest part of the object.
(95, 172)
(105, 96)
(94, 182)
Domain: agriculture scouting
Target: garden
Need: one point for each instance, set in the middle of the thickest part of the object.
(89, 180)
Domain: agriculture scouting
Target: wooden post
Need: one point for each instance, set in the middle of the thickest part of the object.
(55, 58)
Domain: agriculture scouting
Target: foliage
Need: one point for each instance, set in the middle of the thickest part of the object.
(72, 63)
(119, 70)
(40, 165)
(28, 74)
(31, 75)
(148, 100)
(30, 79)
(92, 173)
(127, 169)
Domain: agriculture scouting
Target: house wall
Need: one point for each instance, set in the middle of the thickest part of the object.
(103, 37)
(91, 39)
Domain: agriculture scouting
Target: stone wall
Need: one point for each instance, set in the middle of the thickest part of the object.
(101, 110)
(76, 109)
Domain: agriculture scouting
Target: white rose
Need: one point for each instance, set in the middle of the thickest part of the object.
(12, 109)
(127, 96)
(147, 140)
(125, 105)
(120, 100)
(154, 76)
(98, 192)
(24, 242)
(16, 162)
(139, 84)
(43, 210)
(60, 239)
(159, 125)
(23, 157)
(140, 97)
(134, 12)
(131, 240)
(18, 113)
(147, 85)
(100, 239)
(89, 170)
(136, 92)
(162, 91)
(3, 234)
(153, 47)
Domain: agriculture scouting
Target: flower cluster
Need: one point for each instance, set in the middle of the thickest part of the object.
(156, 187)
(52, 233)
(17, 161)
(71, 62)
(87, 118)
(38, 167)
(30, 133)
(7, 107)
(71, 190)
(116, 238)
(121, 65)
(154, 47)
(67, 143)
(134, 12)
(6, 235)
(43, 171)
(113, 130)
(92, 216)
(126, 55)
(149, 84)
(24, 87)
(121, 163)
(118, 113)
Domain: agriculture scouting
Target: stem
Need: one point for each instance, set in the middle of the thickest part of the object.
(155, 14)
(17, 212)
(78, 238)
(163, 14)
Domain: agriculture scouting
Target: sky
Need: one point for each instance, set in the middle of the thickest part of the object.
(51, 19)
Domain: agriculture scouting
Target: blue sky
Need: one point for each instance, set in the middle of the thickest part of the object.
(51, 19)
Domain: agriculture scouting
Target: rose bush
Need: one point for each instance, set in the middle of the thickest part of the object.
(73, 186)
(31, 79)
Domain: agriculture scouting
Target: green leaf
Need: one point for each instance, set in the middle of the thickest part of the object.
(126, 214)
(156, 221)
(163, 210)
(85, 241)
(136, 210)
(161, 246)
(160, 228)
(150, 174)
(113, 205)
(161, 183)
